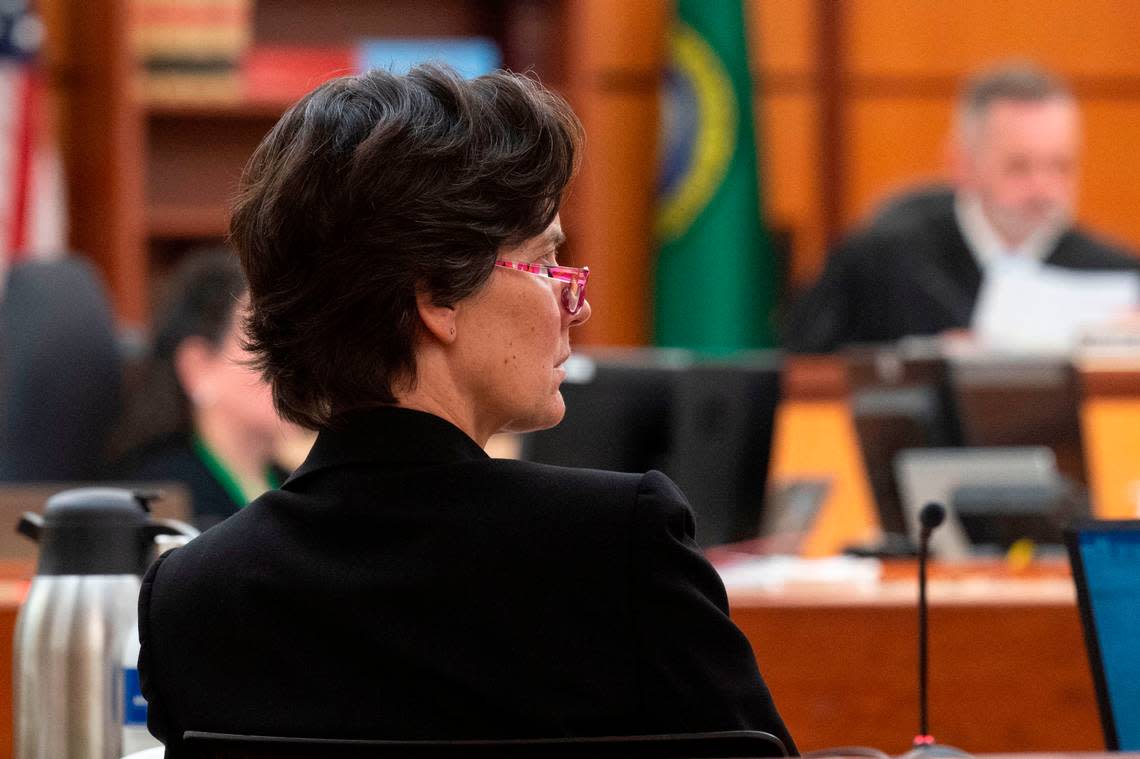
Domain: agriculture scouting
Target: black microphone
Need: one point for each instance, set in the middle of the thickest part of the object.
(932, 515)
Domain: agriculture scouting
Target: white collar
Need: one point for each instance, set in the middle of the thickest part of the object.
(985, 243)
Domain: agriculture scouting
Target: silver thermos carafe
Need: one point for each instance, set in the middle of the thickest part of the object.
(95, 543)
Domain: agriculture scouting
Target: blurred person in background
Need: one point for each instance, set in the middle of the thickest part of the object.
(401, 238)
(201, 415)
(917, 267)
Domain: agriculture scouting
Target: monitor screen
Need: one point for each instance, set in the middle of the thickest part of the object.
(619, 413)
(723, 420)
(706, 424)
(1107, 570)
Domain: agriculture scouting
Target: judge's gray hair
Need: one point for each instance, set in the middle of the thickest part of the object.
(1018, 81)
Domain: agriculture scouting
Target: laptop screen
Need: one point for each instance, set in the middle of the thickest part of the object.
(1106, 568)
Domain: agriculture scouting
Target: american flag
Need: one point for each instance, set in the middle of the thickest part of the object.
(32, 218)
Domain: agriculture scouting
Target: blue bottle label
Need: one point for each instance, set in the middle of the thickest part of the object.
(134, 705)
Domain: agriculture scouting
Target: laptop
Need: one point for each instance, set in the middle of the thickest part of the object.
(1105, 556)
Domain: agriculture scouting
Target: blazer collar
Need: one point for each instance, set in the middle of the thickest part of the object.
(389, 435)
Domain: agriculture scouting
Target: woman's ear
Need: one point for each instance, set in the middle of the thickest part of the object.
(439, 320)
(193, 359)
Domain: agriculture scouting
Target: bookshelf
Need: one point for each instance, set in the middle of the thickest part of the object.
(149, 180)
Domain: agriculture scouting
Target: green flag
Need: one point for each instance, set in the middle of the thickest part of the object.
(716, 275)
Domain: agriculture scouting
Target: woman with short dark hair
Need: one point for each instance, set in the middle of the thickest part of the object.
(400, 235)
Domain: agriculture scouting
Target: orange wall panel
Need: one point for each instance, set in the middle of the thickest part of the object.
(625, 36)
(1110, 188)
(782, 35)
(953, 37)
(617, 51)
(613, 205)
(892, 142)
(786, 129)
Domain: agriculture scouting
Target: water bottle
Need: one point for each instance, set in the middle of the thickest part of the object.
(72, 628)
(136, 737)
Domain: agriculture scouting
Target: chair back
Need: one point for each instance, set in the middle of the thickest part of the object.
(60, 372)
(721, 745)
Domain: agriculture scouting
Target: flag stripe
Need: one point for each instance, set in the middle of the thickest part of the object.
(21, 176)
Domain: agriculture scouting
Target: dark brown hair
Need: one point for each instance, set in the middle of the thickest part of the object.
(373, 187)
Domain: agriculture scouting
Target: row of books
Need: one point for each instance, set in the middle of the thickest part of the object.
(277, 74)
(191, 50)
(201, 51)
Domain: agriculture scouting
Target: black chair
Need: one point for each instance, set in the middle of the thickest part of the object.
(742, 744)
(60, 372)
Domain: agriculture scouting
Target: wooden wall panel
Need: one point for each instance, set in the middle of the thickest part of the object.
(782, 36)
(952, 37)
(1110, 187)
(609, 223)
(786, 129)
(613, 69)
(606, 37)
(782, 39)
(101, 137)
(893, 142)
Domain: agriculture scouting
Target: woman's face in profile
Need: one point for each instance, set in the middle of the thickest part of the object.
(222, 381)
(514, 336)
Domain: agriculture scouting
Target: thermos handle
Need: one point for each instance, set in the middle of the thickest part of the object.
(158, 527)
(31, 525)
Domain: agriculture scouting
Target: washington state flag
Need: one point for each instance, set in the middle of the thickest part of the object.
(715, 278)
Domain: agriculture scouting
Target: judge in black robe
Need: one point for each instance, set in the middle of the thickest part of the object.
(911, 272)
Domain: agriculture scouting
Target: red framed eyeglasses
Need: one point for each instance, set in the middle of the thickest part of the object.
(573, 294)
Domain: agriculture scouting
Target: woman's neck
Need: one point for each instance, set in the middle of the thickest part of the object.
(246, 455)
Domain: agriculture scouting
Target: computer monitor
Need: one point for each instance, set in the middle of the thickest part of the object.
(889, 420)
(900, 399)
(724, 414)
(708, 425)
(1105, 556)
(1021, 401)
(619, 412)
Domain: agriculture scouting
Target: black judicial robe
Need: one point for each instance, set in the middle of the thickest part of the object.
(403, 585)
(913, 275)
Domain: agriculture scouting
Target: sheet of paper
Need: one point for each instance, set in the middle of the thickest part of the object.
(773, 572)
(1027, 307)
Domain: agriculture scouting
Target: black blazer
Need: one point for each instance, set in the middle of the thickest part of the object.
(404, 585)
(911, 273)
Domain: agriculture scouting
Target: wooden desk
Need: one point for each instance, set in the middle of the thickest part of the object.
(1008, 669)
(12, 592)
(814, 438)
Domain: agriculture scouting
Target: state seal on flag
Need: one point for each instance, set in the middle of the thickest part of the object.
(698, 131)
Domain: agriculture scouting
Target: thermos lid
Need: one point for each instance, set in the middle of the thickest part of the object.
(94, 531)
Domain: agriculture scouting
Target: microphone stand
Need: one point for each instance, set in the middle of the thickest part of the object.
(924, 747)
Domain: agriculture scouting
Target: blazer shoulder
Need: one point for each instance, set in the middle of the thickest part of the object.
(531, 472)
(591, 490)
